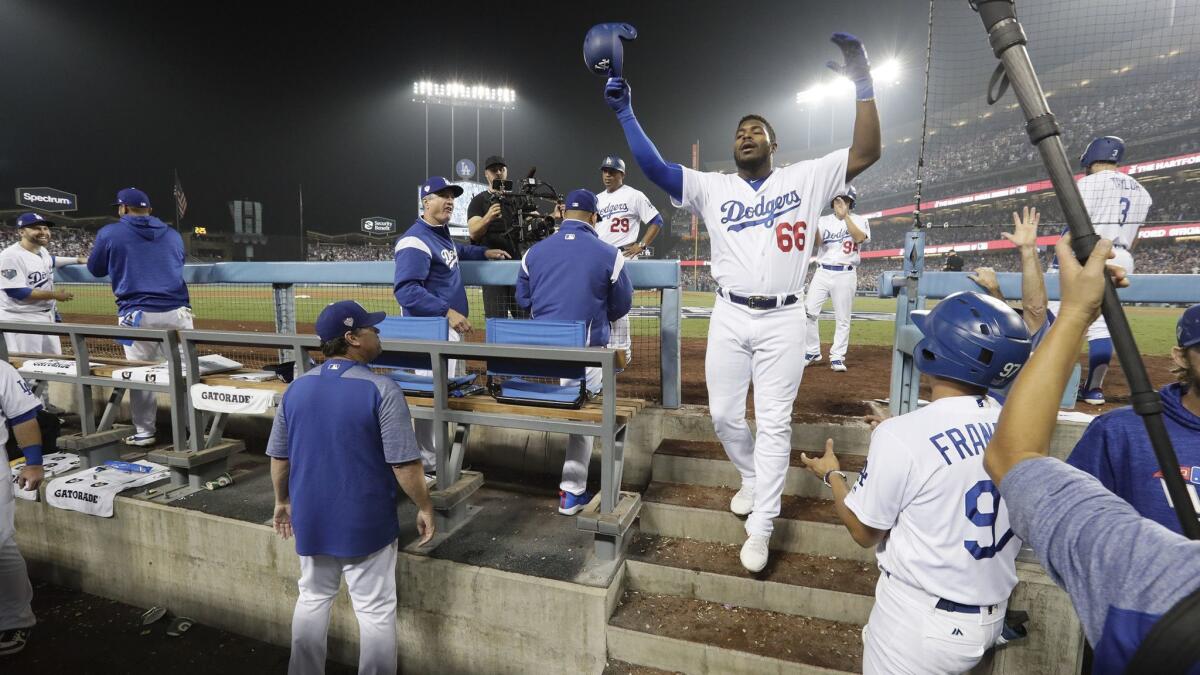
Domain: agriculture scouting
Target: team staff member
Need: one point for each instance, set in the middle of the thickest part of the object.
(954, 262)
(27, 279)
(1122, 571)
(757, 220)
(573, 276)
(840, 235)
(143, 259)
(621, 213)
(18, 411)
(1116, 450)
(491, 223)
(341, 442)
(946, 575)
(427, 280)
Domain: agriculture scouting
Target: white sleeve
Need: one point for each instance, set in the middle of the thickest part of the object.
(828, 175)
(695, 191)
(12, 272)
(882, 489)
(646, 210)
(15, 397)
(864, 224)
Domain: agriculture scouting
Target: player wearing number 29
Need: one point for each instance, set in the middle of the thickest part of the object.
(758, 222)
(839, 236)
(944, 547)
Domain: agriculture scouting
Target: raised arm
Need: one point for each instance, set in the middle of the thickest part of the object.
(1033, 284)
(669, 177)
(867, 145)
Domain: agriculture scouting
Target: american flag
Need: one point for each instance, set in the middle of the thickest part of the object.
(180, 198)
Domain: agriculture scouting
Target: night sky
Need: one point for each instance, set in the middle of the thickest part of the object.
(247, 102)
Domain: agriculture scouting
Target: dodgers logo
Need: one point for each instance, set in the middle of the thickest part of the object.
(613, 208)
(765, 211)
(449, 257)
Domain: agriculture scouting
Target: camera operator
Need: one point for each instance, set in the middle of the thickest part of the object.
(491, 221)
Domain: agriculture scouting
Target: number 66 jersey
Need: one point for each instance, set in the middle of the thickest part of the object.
(761, 232)
(924, 481)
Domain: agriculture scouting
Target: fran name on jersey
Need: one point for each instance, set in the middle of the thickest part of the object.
(963, 442)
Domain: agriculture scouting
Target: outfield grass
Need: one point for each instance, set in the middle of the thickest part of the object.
(1153, 327)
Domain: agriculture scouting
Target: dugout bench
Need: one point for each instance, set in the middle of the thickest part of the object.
(100, 441)
(606, 418)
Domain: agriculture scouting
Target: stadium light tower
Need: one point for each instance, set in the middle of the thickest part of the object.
(886, 74)
(457, 94)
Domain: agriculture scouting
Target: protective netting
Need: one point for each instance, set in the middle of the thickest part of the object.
(1108, 68)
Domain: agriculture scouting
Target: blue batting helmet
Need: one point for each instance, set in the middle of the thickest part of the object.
(1187, 331)
(849, 194)
(613, 162)
(602, 48)
(972, 338)
(1103, 149)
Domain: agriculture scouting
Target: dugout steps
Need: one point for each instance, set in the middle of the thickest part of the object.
(615, 667)
(705, 463)
(683, 634)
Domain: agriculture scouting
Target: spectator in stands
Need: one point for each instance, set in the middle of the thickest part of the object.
(428, 281)
(1116, 450)
(342, 425)
(954, 262)
(143, 258)
(491, 223)
(574, 276)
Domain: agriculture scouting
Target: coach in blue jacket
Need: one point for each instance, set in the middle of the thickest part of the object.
(428, 281)
(573, 276)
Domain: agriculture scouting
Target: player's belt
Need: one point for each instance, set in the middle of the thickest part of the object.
(759, 301)
(837, 268)
(950, 606)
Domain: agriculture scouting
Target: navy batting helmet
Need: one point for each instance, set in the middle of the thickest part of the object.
(602, 48)
(1103, 149)
(849, 194)
(613, 162)
(972, 338)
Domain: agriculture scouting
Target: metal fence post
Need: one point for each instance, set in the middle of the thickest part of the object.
(906, 380)
(669, 346)
(285, 314)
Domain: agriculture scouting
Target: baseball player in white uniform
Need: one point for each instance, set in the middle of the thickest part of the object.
(837, 257)
(940, 527)
(623, 211)
(758, 221)
(1117, 205)
(27, 279)
(18, 411)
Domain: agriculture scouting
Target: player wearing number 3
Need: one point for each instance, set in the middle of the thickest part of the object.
(758, 223)
(839, 237)
(622, 211)
(945, 550)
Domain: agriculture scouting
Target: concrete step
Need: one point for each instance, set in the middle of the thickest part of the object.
(793, 583)
(805, 525)
(705, 463)
(850, 435)
(614, 667)
(699, 637)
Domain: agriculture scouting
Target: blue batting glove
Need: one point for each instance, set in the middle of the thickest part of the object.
(617, 94)
(857, 67)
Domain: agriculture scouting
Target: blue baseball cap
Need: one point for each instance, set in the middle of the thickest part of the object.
(27, 219)
(346, 315)
(437, 184)
(581, 200)
(1187, 331)
(132, 197)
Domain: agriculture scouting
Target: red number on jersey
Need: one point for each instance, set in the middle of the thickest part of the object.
(849, 246)
(620, 225)
(792, 235)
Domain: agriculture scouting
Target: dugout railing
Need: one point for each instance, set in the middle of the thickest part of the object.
(608, 526)
(375, 279)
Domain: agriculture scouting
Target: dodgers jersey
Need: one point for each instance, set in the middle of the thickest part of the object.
(837, 247)
(924, 481)
(21, 268)
(621, 214)
(1117, 205)
(761, 237)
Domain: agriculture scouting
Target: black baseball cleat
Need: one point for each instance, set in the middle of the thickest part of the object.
(13, 640)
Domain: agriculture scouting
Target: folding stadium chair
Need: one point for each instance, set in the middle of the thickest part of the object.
(429, 328)
(506, 377)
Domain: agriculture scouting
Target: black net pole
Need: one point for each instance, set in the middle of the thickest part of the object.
(1008, 40)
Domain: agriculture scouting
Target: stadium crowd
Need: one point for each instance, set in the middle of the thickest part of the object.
(65, 241)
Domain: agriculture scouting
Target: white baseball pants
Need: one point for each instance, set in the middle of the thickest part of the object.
(142, 405)
(908, 634)
(619, 337)
(371, 581)
(31, 343)
(579, 448)
(764, 347)
(424, 428)
(16, 593)
(840, 287)
(1098, 330)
